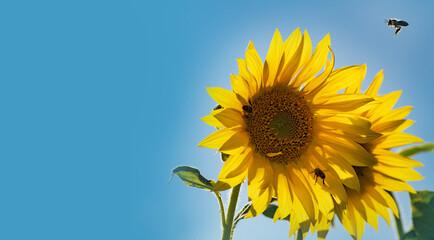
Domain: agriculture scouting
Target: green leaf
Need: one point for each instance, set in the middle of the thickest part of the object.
(418, 149)
(242, 213)
(192, 177)
(271, 210)
(423, 215)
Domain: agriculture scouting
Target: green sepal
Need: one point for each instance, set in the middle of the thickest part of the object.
(224, 157)
(192, 177)
(217, 107)
(242, 213)
(423, 215)
(271, 210)
(408, 152)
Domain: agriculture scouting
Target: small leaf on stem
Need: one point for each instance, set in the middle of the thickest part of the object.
(242, 213)
(192, 177)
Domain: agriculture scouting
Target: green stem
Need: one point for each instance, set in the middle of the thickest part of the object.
(299, 235)
(227, 228)
(398, 221)
(222, 209)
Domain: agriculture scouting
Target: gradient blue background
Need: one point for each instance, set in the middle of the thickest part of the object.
(100, 100)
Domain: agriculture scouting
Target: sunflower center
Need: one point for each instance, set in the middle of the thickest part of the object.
(279, 123)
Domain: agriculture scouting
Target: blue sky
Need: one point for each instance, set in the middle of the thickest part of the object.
(102, 99)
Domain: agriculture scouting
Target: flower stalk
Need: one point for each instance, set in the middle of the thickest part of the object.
(398, 222)
(222, 209)
(227, 226)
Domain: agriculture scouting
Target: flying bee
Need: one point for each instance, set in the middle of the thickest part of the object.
(396, 23)
(318, 173)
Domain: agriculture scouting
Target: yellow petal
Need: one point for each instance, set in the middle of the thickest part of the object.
(397, 114)
(273, 154)
(217, 138)
(302, 192)
(387, 102)
(348, 224)
(254, 63)
(260, 174)
(333, 184)
(344, 170)
(325, 202)
(297, 61)
(348, 126)
(390, 202)
(394, 140)
(371, 216)
(230, 117)
(240, 87)
(392, 126)
(344, 118)
(342, 78)
(234, 171)
(378, 208)
(387, 157)
(224, 97)
(312, 87)
(236, 165)
(353, 222)
(283, 189)
(375, 85)
(293, 225)
(243, 72)
(352, 152)
(315, 63)
(342, 102)
(391, 183)
(401, 173)
(211, 120)
(382, 197)
(354, 199)
(247, 76)
(273, 60)
(360, 225)
(350, 134)
(357, 82)
(277, 215)
(304, 226)
(259, 204)
(383, 212)
(291, 44)
(239, 140)
(323, 227)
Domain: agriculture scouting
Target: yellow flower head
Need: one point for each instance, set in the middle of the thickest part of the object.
(289, 132)
(391, 170)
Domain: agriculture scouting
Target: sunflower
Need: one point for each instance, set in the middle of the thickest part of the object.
(289, 132)
(391, 170)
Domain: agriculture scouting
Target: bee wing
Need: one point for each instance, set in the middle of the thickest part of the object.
(402, 23)
(397, 30)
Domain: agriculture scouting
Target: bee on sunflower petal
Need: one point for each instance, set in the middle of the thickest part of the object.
(319, 173)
